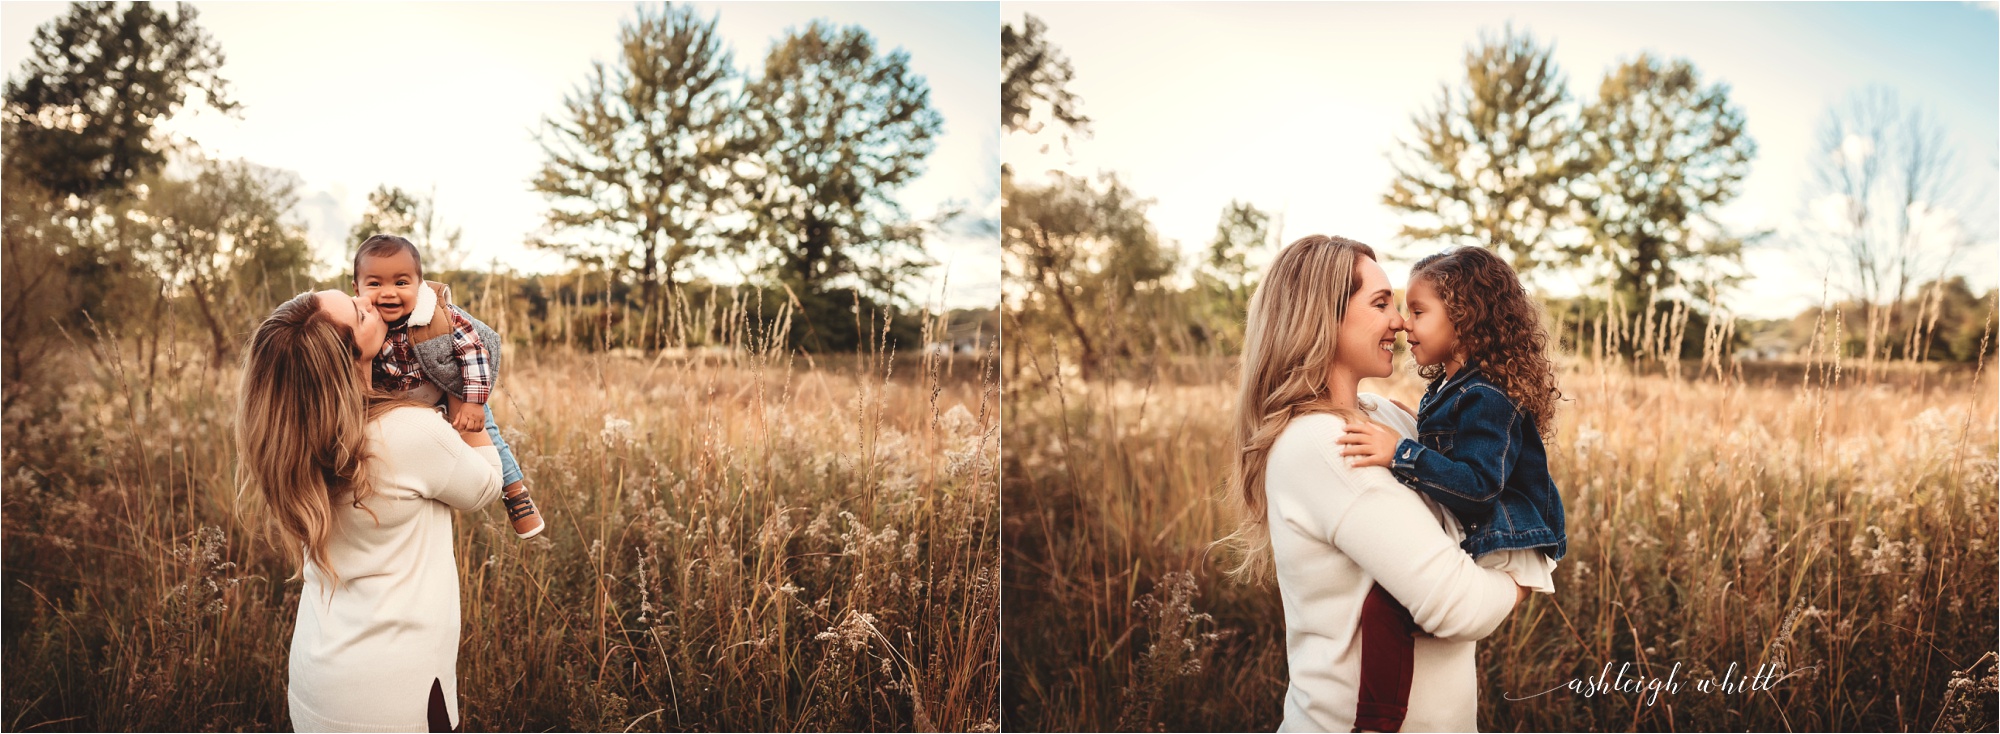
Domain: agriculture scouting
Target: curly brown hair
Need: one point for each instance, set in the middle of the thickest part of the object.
(1499, 328)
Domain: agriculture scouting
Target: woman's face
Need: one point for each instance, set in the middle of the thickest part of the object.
(358, 314)
(1367, 346)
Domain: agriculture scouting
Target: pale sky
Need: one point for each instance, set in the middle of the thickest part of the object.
(449, 95)
(1294, 107)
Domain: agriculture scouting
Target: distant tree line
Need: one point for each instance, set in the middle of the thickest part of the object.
(1950, 323)
(663, 159)
(1623, 190)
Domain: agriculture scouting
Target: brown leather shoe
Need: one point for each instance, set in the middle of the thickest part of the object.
(521, 511)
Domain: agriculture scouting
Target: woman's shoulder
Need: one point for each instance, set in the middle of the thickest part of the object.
(1329, 426)
(1315, 424)
(408, 413)
(400, 425)
(1305, 463)
(1312, 434)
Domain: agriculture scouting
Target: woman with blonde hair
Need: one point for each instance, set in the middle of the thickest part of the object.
(1323, 318)
(362, 488)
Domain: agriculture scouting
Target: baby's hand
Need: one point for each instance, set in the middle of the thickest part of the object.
(467, 417)
(1368, 444)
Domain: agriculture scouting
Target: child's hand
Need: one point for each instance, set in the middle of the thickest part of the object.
(466, 417)
(475, 439)
(1367, 443)
(1400, 404)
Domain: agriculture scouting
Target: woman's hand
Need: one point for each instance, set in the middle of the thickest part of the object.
(1368, 443)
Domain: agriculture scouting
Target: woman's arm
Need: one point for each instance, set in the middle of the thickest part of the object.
(450, 468)
(1393, 537)
(1387, 530)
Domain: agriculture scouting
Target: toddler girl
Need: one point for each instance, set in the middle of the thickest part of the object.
(1478, 337)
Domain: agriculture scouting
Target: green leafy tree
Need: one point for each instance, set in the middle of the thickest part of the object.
(1221, 297)
(37, 286)
(1242, 230)
(1665, 152)
(1092, 266)
(80, 124)
(1032, 70)
(1952, 322)
(392, 210)
(83, 108)
(1490, 162)
(637, 163)
(839, 128)
(224, 237)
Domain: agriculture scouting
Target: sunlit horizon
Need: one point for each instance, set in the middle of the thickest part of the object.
(448, 96)
(1295, 107)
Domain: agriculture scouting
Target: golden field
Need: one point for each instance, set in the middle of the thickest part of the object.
(739, 540)
(1834, 523)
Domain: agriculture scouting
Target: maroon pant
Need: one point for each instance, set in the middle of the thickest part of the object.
(1388, 642)
(439, 716)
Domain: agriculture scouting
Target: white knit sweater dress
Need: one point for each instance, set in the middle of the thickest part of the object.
(366, 651)
(1337, 530)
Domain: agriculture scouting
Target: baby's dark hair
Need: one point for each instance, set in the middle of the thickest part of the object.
(1499, 327)
(384, 245)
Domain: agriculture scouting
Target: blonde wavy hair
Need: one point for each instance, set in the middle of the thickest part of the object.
(1288, 354)
(301, 425)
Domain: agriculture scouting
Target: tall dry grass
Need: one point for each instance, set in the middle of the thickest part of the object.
(739, 540)
(1833, 520)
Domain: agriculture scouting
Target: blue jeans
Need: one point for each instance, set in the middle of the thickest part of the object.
(510, 471)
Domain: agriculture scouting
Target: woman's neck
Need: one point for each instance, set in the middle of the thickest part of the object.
(1343, 389)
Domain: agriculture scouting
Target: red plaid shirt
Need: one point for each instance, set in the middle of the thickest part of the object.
(397, 368)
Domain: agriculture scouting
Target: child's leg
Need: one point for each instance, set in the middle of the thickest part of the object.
(521, 511)
(510, 471)
(1388, 643)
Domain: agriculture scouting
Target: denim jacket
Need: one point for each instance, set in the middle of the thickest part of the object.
(1482, 458)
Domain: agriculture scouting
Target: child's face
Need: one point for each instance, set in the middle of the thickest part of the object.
(1432, 338)
(390, 282)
